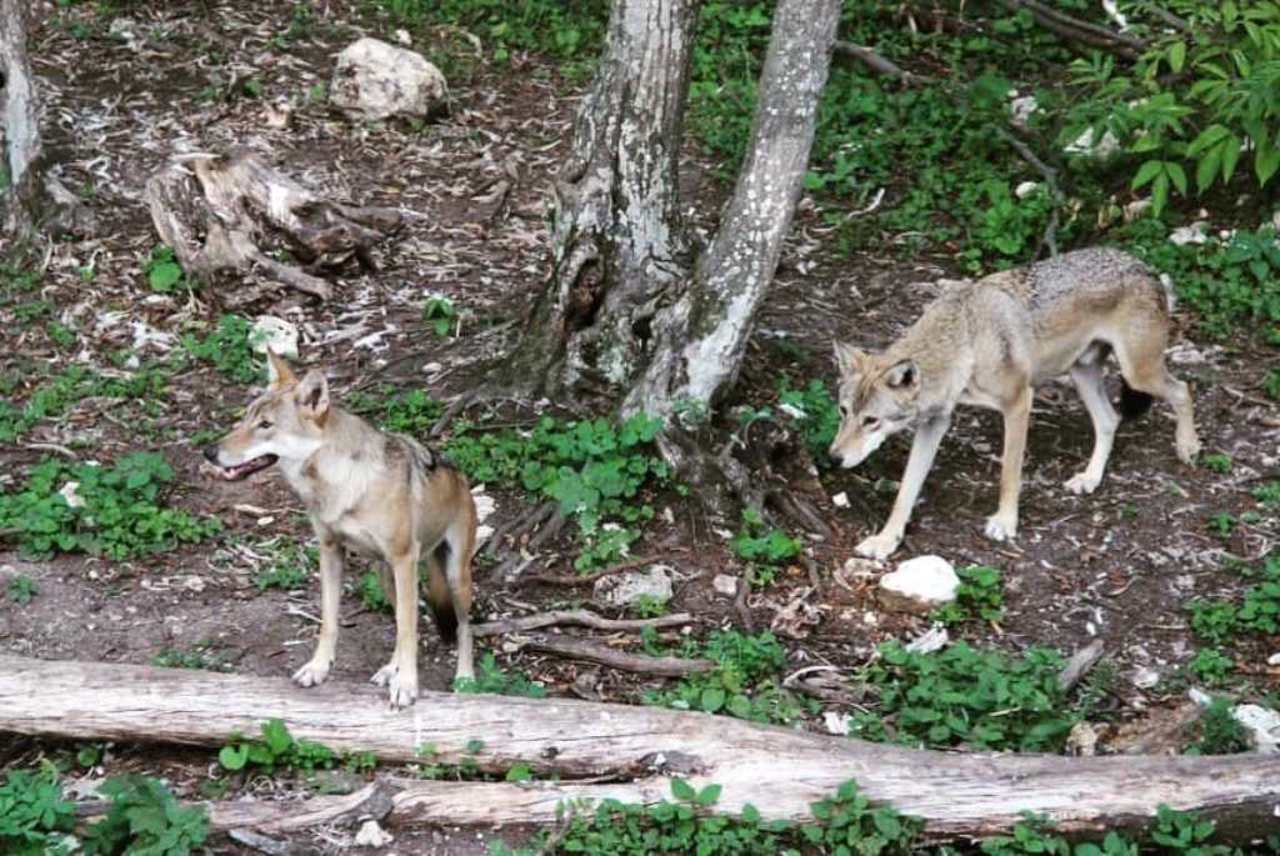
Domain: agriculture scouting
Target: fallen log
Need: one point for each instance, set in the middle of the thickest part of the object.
(779, 770)
(216, 211)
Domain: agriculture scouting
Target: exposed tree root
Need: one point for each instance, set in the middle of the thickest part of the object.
(576, 617)
(585, 649)
(215, 211)
(881, 64)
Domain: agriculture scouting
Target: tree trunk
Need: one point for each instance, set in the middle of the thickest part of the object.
(19, 124)
(779, 770)
(699, 341)
(615, 231)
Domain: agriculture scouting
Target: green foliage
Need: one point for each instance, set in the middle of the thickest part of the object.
(962, 696)
(1218, 732)
(371, 593)
(1218, 462)
(277, 748)
(763, 549)
(743, 684)
(980, 595)
(229, 349)
(440, 314)
(648, 606)
(1268, 494)
(564, 29)
(34, 817)
(199, 656)
(53, 398)
(1207, 100)
(22, 589)
(1257, 612)
(164, 274)
(414, 412)
(121, 515)
(591, 468)
(1212, 666)
(847, 823)
(145, 820)
(491, 678)
(290, 568)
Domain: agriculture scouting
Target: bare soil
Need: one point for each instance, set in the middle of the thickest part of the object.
(1118, 565)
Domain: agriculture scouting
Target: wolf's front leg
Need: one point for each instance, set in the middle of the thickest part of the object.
(401, 674)
(1003, 525)
(315, 671)
(923, 449)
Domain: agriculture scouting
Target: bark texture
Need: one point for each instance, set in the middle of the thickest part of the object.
(615, 231)
(19, 123)
(699, 341)
(779, 770)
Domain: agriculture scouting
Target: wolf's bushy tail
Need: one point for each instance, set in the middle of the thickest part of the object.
(438, 597)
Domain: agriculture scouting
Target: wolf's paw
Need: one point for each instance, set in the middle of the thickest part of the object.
(878, 547)
(312, 674)
(1082, 483)
(1001, 529)
(1188, 448)
(383, 676)
(403, 689)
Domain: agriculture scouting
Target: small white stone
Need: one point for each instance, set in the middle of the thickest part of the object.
(1025, 189)
(934, 639)
(625, 589)
(919, 585)
(374, 80)
(74, 499)
(1144, 677)
(1136, 209)
(484, 503)
(1263, 725)
(275, 333)
(432, 368)
(373, 835)
(836, 723)
(725, 585)
(1274, 659)
(840, 500)
(1200, 697)
(1196, 233)
(403, 37)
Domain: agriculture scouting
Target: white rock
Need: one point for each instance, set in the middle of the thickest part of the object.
(275, 333)
(1021, 110)
(1263, 725)
(934, 639)
(1096, 149)
(403, 37)
(919, 585)
(1144, 677)
(836, 723)
(373, 835)
(374, 80)
(840, 500)
(1025, 189)
(725, 585)
(74, 500)
(485, 505)
(1083, 739)
(145, 335)
(1274, 659)
(1196, 233)
(1186, 354)
(1136, 209)
(1200, 697)
(626, 589)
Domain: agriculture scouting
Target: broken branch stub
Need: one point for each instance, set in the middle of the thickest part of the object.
(218, 211)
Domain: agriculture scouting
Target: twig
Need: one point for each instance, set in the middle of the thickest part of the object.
(1068, 27)
(581, 649)
(579, 618)
(1171, 19)
(583, 579)
(260, 842)
(453, 409)
(1049, 238)
(52, 447)
(532, 517)
(881, 64)
(1080, 664)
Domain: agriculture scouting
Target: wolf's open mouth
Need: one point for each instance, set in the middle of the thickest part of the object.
(248, 468)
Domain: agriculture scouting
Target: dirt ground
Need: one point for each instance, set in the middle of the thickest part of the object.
(1117, 565)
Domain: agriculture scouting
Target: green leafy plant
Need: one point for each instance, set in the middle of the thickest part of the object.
(440, 314)
(414, 412)
(371, 593)
(1218, 732)
(980, 596)
(1218, 462)
(763, 549)
(1212, 666)
(289, 568)
(34, 816)
(164, 274)
(55, 397)
(491, 678)
(277, 748)
(114, 511)
(199, 656)
(1257, 612)
(229, 348)
(815, 410)
(22, 589)
(145, 820)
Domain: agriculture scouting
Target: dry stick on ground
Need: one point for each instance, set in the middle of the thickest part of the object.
(881, 64)
(585, 649)
(581, 579)
(1064, 25)
(577, 618)
(779, 770)
(1049, 238)
(235, 200)
(1080, 664)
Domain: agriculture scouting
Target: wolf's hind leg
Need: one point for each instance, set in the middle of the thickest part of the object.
(1089, 383)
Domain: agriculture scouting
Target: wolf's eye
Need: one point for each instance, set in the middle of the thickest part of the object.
(870, 421)
(844, 411)
(264, 424)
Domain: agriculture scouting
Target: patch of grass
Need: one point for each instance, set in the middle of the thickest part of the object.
(289, 569)
(491, 678)
(276, 749)
(649, 606)
(1257, 612)
(744, 683)
(413, 412)
(1219, 462)
(1218, 732)
(592, 469)
(53, 398)
(1268, 494)
(371, 593)
(22, 589)
(230, 349)
(199, 656)
(764, 550)
(963, 696)
(113, 511)
(980, 596)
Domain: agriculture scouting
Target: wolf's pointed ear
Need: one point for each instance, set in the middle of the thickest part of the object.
(849, 360)
(903, 376)
(279, 373)
(312, 396)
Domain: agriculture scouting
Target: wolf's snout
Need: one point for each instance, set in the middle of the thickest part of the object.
(211, 454)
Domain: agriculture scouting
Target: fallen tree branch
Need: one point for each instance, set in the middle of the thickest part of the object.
(881, 64)
(779, 770)
(1080, 664)
(585, 649)
(575, 617)
(583, 579)
(1074, 29)
(1050, 174)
